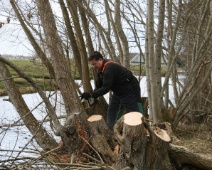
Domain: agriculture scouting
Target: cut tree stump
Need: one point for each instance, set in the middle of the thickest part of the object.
(75, 136)
(101, 138)
(141, 147)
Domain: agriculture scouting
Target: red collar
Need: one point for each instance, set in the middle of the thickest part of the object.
(103, 68)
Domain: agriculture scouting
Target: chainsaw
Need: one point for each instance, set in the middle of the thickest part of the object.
(87, 104)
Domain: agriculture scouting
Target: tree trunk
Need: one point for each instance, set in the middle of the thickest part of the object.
(83, 136)
(100, 138)
(182, 156)
(70, 32)
(63, 76)
(141, 147)
(73, 8)
(145, 104)
(132, 137)
(100, 107)
(41, 136)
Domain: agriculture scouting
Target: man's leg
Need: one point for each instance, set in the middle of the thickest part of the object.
(132, 100)
(114, 111)
(130, 104)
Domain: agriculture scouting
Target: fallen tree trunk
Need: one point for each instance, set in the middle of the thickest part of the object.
(182, 156)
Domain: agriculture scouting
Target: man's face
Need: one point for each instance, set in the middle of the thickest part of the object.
(97, 64)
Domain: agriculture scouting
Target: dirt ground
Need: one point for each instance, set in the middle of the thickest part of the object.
(197, 138)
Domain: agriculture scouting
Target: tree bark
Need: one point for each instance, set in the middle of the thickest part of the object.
(73, 8)
(141, 147)
(118, 24)
(100, 138)
(75, 137)
(88, 135)
(40, 134)
(145, 104)
(72, 38)
(183, 156)
(63, 76)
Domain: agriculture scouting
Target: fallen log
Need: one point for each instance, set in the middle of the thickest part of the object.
(182, 156)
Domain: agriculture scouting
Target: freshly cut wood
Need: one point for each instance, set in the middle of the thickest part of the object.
(102, 138)
(136, 145)
(95, 118)
(141, 146)
(132, 137)
(162, 134)
(133, 118)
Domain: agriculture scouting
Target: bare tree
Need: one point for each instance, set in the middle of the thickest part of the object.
(198, 63)
(153, 58)
(39, 133)
(62, 75)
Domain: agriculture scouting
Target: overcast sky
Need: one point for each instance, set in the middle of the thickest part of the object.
(12, 38)
(13, 41)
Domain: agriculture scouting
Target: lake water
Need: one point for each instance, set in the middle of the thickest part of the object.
(16, 138)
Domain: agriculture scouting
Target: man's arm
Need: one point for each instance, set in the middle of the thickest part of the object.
(108, 79)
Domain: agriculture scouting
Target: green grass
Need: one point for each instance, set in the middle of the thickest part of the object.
(136, 70)
(34, 70)
(31, 69)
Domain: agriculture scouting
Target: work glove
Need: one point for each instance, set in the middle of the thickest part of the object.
(85, 96)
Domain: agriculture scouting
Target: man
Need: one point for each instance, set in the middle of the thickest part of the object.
(125, 87)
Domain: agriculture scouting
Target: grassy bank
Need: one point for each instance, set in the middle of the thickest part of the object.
(137, 70)
(33, 69)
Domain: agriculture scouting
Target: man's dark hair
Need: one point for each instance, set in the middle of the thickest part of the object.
(95, 55)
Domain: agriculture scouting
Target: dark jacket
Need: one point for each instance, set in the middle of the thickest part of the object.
(112, 76)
